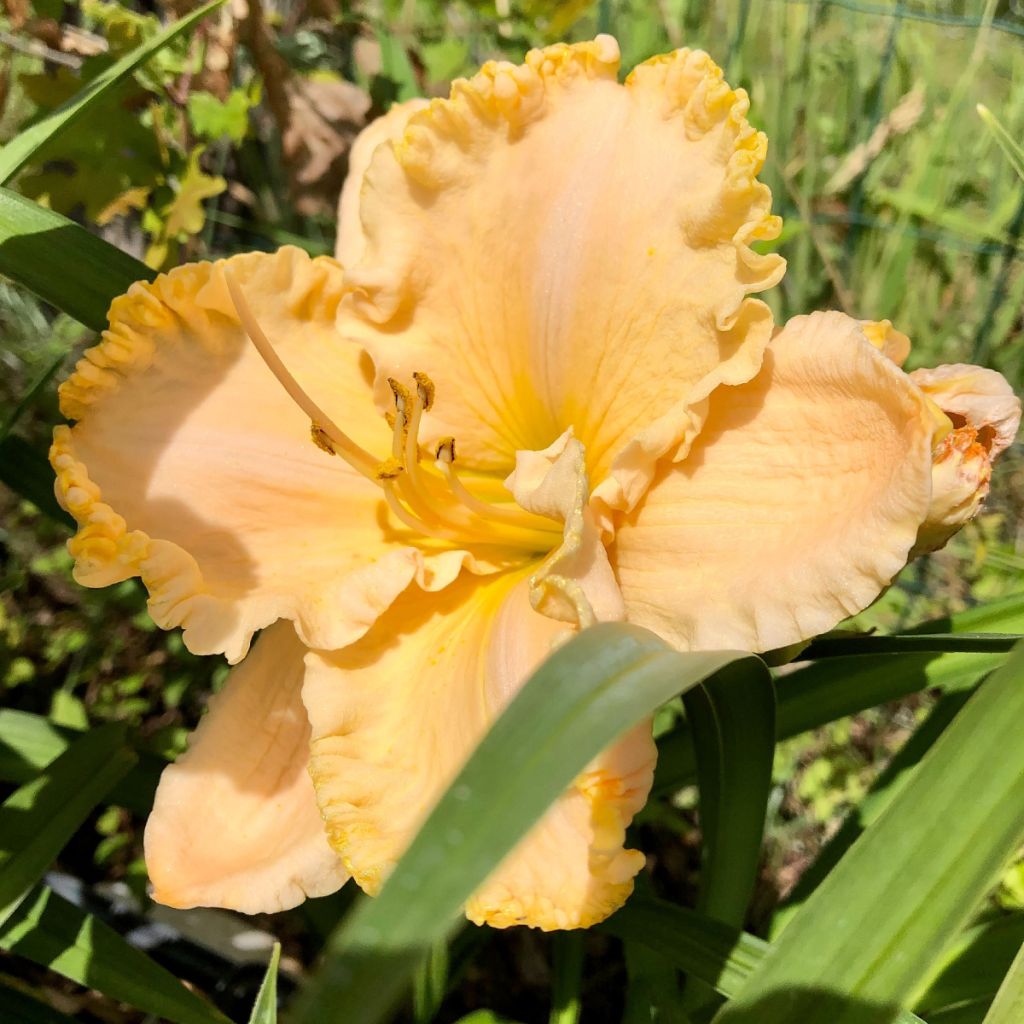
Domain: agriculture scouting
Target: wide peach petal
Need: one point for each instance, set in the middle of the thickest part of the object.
(387, 128)
(985, 417)
(191, 467)
(396, 715)
(558, 250)
(235, 823)
(796, 506)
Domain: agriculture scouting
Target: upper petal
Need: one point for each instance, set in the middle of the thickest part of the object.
(388, 128)
(235, 823)
(396, 715)
(796, 506)
(190, 465)
(558, 250)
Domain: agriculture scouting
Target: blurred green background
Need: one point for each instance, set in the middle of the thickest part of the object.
(897, 201)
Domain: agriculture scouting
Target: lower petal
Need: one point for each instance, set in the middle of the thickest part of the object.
(797, 505)
(396, 715)
(235, 823)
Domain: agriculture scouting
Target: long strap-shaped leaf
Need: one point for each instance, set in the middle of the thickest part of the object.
(37, 247)
(37, 820)
(835, 687)
(264, 1010)
(28, 743)
(49, 930)
(866, 939)
(585, 695)
(709, 950)
(27, 144)
(1008, 1007)
(733, 721)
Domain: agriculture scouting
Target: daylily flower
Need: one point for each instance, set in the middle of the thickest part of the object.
(535, 392)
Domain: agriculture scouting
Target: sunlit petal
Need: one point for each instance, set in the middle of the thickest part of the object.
(395, 716)
(558, 250)
(797, 504)
(191, 466)
(384, 129)
(235, 823)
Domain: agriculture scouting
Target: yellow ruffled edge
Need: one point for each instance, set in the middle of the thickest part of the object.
(193, 298)
(686, 82)
(613, 803)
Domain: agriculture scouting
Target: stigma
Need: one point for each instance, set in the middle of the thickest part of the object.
(425, 494)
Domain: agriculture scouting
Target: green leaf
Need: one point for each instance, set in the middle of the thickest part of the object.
(214, 119)
(28, 144)
(581, 699)
(1008, 1007)
(430, 982)
(38, 819)
(835, 687)
(732, 718)
(28, 743)
(37, 247)
(27, 472)
(49, 930)
(869, 935)
(974, 967)
(1007, 143)
(264, 1010)
(704, 948)
(18, 1008)
(566, 977)
(896, 775)
(983, 643)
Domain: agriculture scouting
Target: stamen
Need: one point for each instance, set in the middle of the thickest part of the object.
(323, 428)
(512, 516)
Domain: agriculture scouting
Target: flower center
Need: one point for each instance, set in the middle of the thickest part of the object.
(428, 497)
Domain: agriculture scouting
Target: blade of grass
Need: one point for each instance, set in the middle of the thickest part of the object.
(38, 819)
(584, 696)
(430, 982)
(49, 930)
(1008, 1007)
(264, 1010)
(1007, 143)
(36, 248)
(30, 143)
(872, 931)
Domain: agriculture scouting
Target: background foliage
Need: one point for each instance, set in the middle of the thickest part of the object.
(898, 201)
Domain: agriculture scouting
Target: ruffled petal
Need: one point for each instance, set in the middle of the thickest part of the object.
(796, 506)
(191, 467)
(396, 715)
(235, 823)
(388, 128)
(985, 417)
(558, 250)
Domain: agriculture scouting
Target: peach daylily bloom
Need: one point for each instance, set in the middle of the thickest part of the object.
(541, 394)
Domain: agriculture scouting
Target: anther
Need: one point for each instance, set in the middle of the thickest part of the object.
(446, 449)
(389, 469)
(425, 389)
(321, 439)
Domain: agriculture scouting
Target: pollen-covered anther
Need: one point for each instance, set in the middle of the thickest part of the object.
(321, 439)
(424, 389)
(445, 451)
(390, 469)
